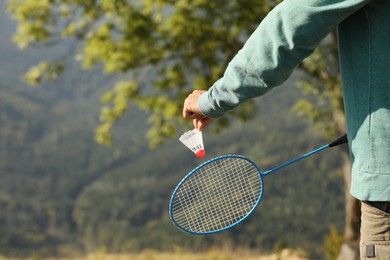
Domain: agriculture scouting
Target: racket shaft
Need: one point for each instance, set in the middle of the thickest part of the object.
(296, 159)
(340, 140)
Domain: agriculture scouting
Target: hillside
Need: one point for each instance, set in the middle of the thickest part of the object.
(62, 194)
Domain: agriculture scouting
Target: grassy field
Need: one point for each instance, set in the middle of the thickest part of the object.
(214, 254)
(209, 255)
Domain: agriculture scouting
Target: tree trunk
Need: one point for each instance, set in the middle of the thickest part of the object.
(350, 247)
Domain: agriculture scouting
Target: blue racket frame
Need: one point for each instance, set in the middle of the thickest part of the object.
(340, 140)
(201, 166)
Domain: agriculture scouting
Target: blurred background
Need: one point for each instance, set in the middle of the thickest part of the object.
(90, 115)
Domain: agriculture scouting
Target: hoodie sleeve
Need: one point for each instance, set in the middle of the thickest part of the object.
(288, 34)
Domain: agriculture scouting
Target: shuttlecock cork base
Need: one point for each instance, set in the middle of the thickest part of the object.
(193, 139)
(200, 153)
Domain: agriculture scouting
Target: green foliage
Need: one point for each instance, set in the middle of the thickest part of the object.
(322, 86)
(44, 71)
(37, 26)
(332, 243)
(183, 44)
(118, 99)
(280, 246)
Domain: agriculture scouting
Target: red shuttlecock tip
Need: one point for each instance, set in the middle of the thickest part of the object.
(200, 153)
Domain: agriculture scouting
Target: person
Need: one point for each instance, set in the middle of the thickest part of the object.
(287, 35)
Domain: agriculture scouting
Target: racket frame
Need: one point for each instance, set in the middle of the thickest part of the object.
(195, 171)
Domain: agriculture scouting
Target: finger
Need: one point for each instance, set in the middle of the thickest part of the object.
(201, 124)
(190, 109)
(187, 111)
(187, 114)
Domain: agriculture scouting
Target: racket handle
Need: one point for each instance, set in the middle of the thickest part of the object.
(343, 139)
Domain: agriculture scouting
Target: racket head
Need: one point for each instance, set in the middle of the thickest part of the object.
(217, 195)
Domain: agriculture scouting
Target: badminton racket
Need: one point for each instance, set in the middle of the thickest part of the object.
(222, 192)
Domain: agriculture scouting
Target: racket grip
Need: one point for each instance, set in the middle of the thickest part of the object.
(343, 139)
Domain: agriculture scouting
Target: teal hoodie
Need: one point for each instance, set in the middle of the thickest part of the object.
(289, 34)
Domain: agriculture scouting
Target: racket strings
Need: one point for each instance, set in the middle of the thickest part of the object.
(217, 195)
(216, 212)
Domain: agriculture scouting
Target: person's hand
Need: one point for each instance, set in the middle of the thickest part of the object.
(191, 110)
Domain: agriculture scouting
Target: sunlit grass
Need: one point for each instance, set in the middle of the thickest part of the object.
(209, 255)
(216, 254)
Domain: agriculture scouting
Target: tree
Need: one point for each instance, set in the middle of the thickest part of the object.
(183, 43)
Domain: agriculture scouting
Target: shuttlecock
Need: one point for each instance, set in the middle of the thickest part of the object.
(193, 139)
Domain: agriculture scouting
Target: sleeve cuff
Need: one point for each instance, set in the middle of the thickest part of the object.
(206, 107)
